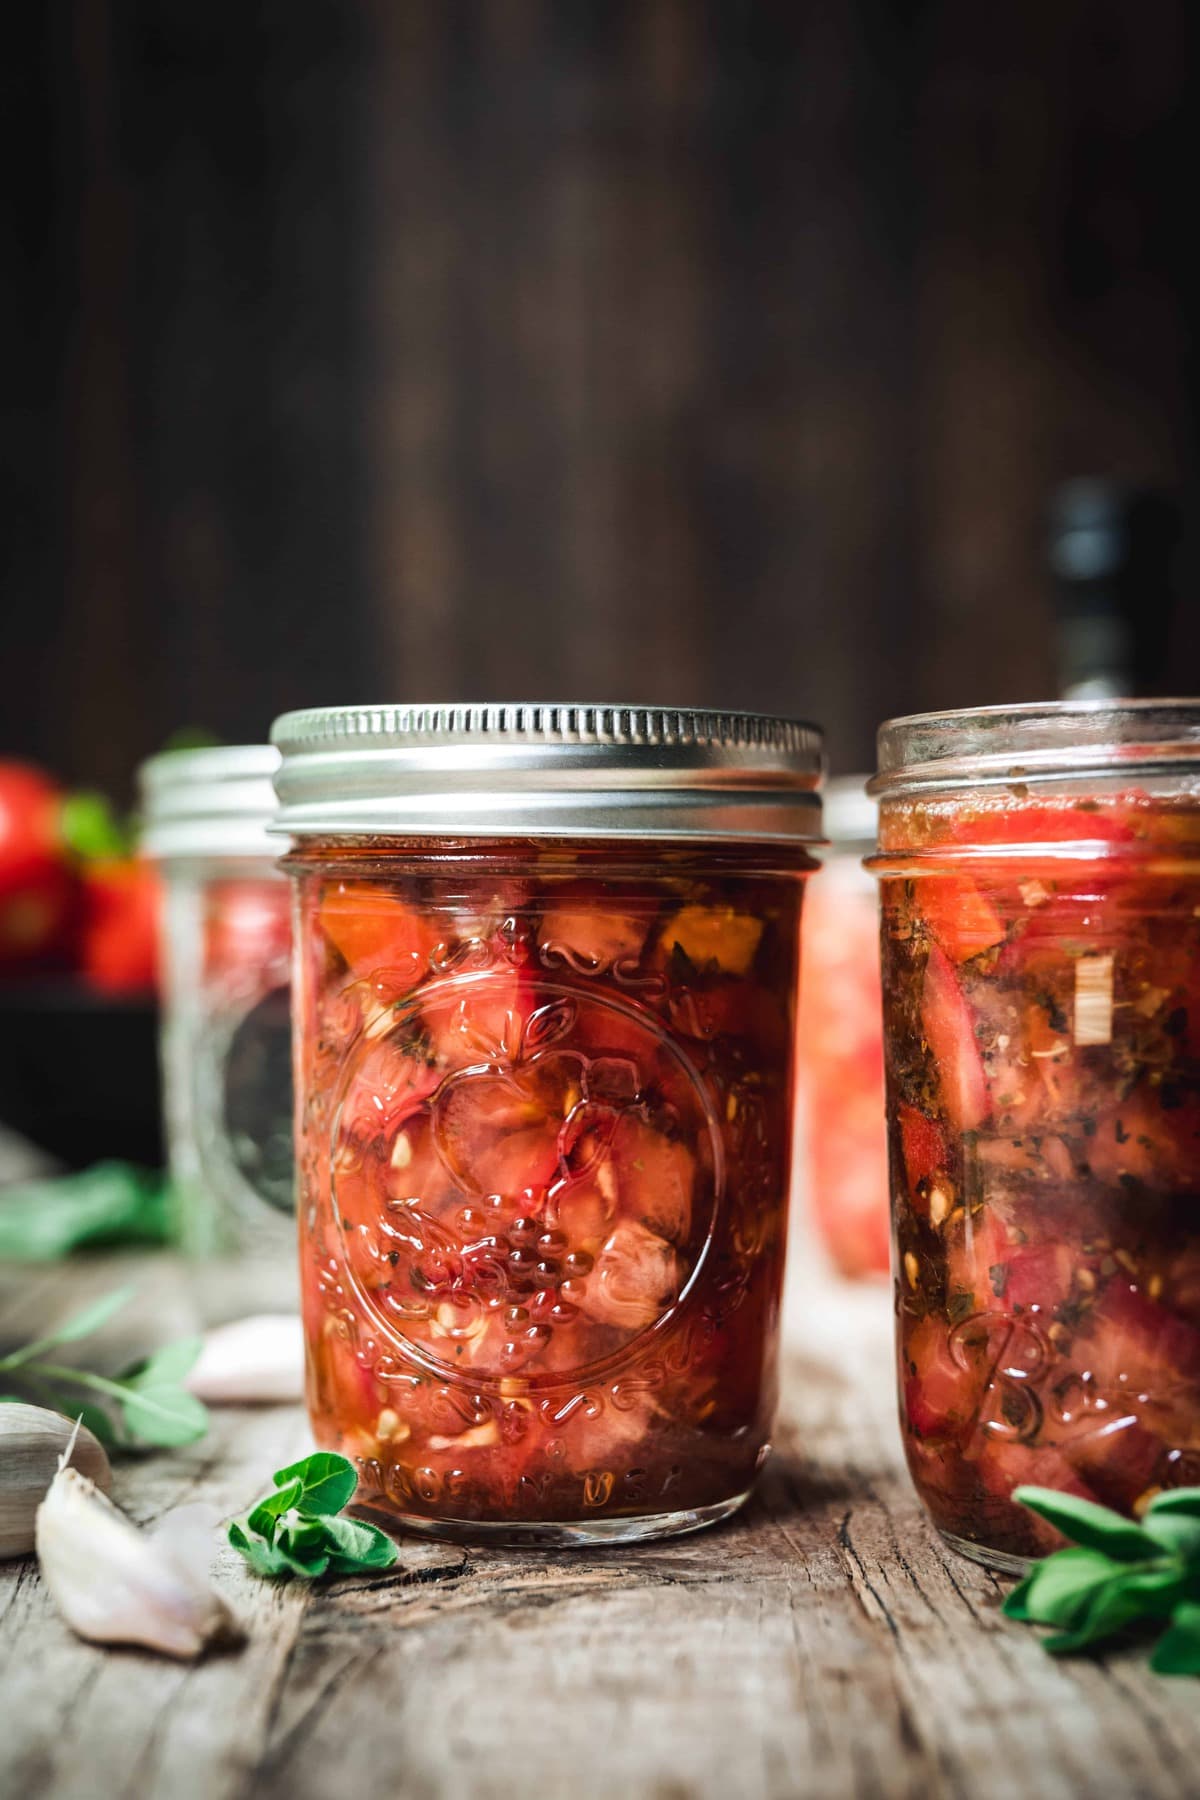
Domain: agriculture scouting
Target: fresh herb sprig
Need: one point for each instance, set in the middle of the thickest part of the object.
(144, 1405)
(1119, 1572)
(298, 1529)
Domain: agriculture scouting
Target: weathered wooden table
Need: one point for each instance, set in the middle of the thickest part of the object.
(823, 1643)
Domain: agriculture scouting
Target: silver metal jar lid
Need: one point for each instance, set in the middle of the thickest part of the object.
(1054, 740)
(209, 803)
(547, 771)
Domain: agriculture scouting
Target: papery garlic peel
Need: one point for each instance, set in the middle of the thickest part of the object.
(33, 1443)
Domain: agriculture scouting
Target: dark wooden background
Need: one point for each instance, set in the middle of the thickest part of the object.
(714, 351)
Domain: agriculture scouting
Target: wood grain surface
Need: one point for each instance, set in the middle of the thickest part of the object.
(824, 1643)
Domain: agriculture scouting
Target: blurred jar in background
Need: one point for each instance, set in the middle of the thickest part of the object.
(840, 1049)
(226, 1046)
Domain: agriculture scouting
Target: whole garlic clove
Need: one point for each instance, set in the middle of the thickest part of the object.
(32, 1441)
(254, 1361)
(116, 1584)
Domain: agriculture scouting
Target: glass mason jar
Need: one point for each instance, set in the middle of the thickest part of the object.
(226, 1037)
(545, 976)
(840, 1043)
(1040, 872)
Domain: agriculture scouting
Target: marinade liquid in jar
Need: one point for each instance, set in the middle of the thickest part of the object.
(545, 980)
(226, 1032)
(1040, 872)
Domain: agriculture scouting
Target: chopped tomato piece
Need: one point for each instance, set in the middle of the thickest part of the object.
(942, 1395)
(483, 1018)
(373, 932)
(950, 1033)
(922, 1144)
(1143, 1139)
(388, 1085)
(1049, 822)
(1038, 1278)
(1003, 1465)
(496, 1131)
(1132, 1342)
(961, 917)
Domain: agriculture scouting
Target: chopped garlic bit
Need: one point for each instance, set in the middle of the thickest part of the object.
(1033, 893)
(402, 1154)
(941, 1199)
(390, 1428)
(911, 1268)
(1094, 999)
(479, 1437)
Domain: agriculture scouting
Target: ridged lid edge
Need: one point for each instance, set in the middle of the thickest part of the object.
(548, 723)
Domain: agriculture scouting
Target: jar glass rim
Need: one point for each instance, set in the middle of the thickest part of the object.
(1041, 740)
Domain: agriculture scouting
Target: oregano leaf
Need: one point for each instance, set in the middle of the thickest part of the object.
(327, 1481)
(1054, 1591)
(299, 1529)
(358, 1545)
(1176, 1500)
(1177, 1651)
(1130, 1594)
(1085, 1522)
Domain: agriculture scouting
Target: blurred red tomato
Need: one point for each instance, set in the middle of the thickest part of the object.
(37, 885)
(118, 937)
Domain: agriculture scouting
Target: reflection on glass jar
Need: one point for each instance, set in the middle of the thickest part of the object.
(1041, 895)
(545, 1068)
(226, 1029)
(840, 1043)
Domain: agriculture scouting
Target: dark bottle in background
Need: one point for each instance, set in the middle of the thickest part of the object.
(1111, 551)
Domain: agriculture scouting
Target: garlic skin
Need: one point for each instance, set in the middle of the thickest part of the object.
(33, 1440)
(116, 1584)
(250, 1362)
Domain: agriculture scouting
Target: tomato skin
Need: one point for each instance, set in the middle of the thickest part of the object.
(950, 1033)
(922, 1144)
(375, 933)
(37, 887)
(961, 917)
(941, 1398)
(1049, 822)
